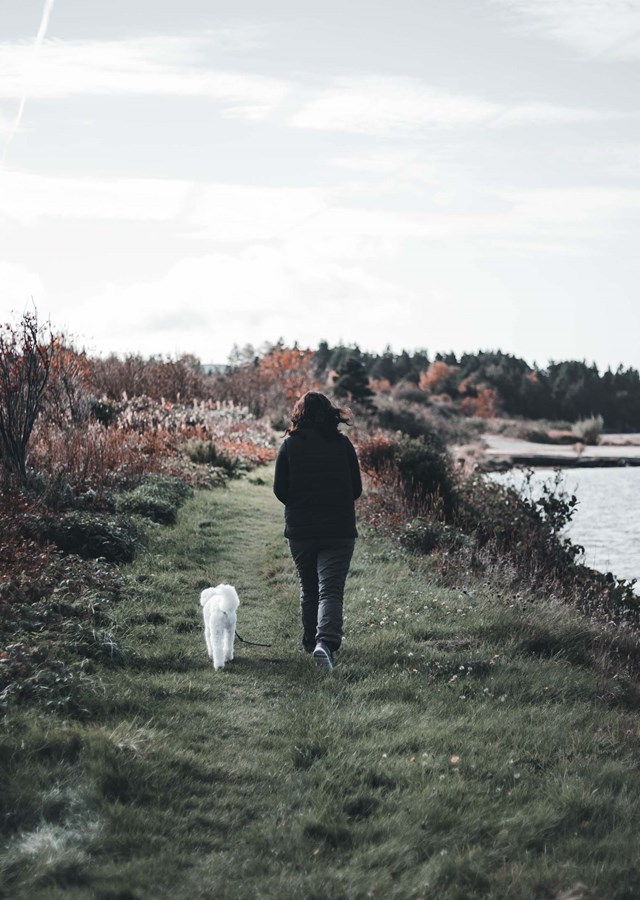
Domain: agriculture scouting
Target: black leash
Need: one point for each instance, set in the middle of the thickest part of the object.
(252, 643)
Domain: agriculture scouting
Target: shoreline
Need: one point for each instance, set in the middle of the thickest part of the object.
(499, 453)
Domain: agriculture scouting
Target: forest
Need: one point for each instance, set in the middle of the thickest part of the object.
(494, 383)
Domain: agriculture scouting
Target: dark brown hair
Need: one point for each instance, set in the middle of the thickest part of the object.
(315, 410)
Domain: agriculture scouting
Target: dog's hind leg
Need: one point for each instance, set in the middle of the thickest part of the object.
(207, 638)
(219, 657)
(229, 635)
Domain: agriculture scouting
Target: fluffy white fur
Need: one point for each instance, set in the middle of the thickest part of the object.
(220, 610)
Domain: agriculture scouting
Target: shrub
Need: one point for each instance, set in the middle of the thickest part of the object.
(158, 499)
(401, 417)
(175, 490)
(90, 535)
(375, 453)
(426, 471)
(158, 377)
(92, 457)
(515, 521)
(144, 502)
(542, 436)
(423, 471)
(425, 535)
(588, 430)
(26, 360)
(105, 411)
(429, 418)
(410, 392)
(206, 453)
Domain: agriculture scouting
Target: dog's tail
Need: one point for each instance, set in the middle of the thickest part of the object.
(228, 601)
(226, 597)
(206, 595)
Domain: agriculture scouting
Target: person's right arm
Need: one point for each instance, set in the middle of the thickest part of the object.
(356, 479)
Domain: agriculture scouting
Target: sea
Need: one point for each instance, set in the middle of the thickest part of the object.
(607, 519)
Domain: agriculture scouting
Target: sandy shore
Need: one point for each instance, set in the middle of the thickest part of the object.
(498, 452)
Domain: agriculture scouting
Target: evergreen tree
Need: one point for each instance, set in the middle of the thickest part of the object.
(353, 382)
(385, 367)
(323, 356)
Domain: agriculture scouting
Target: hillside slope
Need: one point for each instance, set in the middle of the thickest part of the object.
(467, 745)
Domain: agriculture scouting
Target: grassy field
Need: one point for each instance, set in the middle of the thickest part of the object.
(467, 745)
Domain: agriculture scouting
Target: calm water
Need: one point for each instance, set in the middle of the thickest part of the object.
(607, 520)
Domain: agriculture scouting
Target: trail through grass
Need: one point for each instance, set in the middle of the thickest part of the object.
(467, 745)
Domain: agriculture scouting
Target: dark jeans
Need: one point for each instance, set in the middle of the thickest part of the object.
(322, 564)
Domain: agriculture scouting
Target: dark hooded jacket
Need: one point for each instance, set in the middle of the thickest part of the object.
(318, 478)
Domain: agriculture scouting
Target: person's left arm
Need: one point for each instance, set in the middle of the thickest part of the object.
(281, 478)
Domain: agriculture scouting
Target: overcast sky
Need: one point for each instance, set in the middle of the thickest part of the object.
(442, 174)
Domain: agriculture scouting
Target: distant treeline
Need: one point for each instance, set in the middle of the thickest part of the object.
(568, 390)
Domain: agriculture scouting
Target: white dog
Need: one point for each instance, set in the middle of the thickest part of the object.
(219, 607)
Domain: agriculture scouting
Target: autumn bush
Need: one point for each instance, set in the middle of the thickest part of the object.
(91, 458)
(422, 465)
(268, 384)
(232, 428)
(407, 477)
(73, 446)
(26, 361)
(157, 377)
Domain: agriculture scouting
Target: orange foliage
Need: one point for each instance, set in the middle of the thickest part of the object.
(385, 503)
(484, 406)
(156, 377)
(92, 456)
(436, 374)
(68, 383)
(287, 372)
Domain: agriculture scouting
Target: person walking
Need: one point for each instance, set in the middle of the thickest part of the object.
(318, 479)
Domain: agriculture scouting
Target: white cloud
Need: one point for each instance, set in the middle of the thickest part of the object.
(6, 126)
(531, 216)
(163, 66)
(391, 105)
(610, 28)
(374, 105)
(27, 197)
(203, 210)
(19, 284)
(533, 113)
(316, 224)
(393, 166)
(181, 67)
(205, 305)
(235, 212)
(574, 206)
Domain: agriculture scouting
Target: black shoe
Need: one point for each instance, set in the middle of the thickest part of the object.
(323, 657)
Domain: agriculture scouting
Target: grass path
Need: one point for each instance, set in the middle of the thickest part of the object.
(466, 746)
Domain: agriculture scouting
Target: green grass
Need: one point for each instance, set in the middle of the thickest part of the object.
(467, 745)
